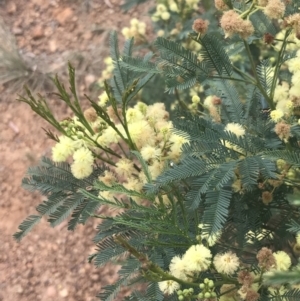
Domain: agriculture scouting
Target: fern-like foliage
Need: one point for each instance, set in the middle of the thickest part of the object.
(128, 273)
(290, 295)
(123, 80)
(64, 199)
(264, 71)
(214, 54)
(226, 179)
(214, 159)
(180, 66)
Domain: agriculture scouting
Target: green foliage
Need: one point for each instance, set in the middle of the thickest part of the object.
(234, 178)
(124, 79)
(56, 182)
(214, 54)
(180, 62)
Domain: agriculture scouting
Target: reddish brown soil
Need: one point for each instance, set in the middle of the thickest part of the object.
(49, 264)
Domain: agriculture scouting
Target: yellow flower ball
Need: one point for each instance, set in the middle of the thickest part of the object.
(197, 258)
(83, 155)
(165, 15)
(81, 170)
(276, 115)
(283, 261)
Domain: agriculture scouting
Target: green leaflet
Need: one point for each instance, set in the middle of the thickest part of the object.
(56, 182)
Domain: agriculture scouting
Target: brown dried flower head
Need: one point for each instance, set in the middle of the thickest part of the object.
(245, 278)
(112, 115)
(221, 5)
(268, 38)
(293, 21)
(90, 114)
(200, 26)
(265, 258)
(262, 2)
(274, 9)
(214, 113)
(283, 130)
(267, 197)
(108, 178)
(252, 295)
(232, 23)
(246, 29)
(216, 100)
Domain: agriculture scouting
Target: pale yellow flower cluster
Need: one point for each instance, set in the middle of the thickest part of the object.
(194, 94)
(293, 42)
(192, 4)
(193, 107)
(77, 147)
(107, 72)
(235, 128)
(283, 261)
(63, 149)
(164, 8)
(294, 68)
(193, 46)
(298, 238)
(196, 259)
(103, 99)
(288, 97)
(161, 13)
(151, 132)
(226, 263)
(82, 165)
(239, 131)
(277, 291)
(169, 286)
(276, 115)
(210, 239)
(212, 104)
(136, 30)
(80, 143)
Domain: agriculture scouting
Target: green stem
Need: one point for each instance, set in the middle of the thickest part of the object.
(107, 150)
(231, 78)
(181, 102)
(105, 160)
(245, 14)
(122, 149)
(278, 63)
(182, 207)
(243, 74)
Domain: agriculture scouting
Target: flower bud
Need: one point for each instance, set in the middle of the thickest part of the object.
(200, 26)
(211, 284)
(268, 38)
(207, 295)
